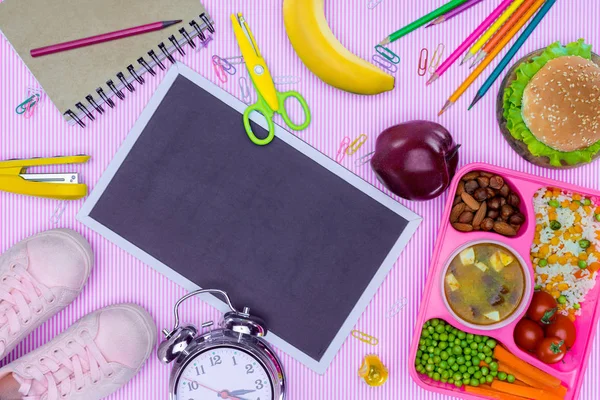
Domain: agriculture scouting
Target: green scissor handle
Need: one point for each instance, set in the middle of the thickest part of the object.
(263, 108)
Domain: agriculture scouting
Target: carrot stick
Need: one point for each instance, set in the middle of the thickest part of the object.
(518, 365)
(559, 391)
(492, 394)
(523, 391)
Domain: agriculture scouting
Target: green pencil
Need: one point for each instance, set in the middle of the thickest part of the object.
(422, 21)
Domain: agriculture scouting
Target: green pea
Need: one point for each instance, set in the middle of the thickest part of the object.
(477, 339)
(554, 203)
(422, 347)
(419, 353)
(493, 366)
(488, 360)
(597, 216)
(473, 346)
(562, 299)
(458, 383)
(425, 333)
(462, 369)
(456, 350)
(584, 243)
(436, 377)
(582, 264)
(489, 379)
(461, 335)
(485, 371)
(577, 306)
(451, 381)
(467, 350)
(430, 374)
(468, 364)
(420, 369)
(444, 380)
(437, 351)
(454, 367)
(471, 370)
(457, 341)
(502, 376)
(510, 378)
(537, 288)
(461, 360)
(430, 361)
(429, 368)
(468, 357)
(478, 375)
(425, 357)
(475, 360)
(440, 329)
(577, 202)
(437, 360)
(444, 355)
(457, 377)
(482, 356)
(445, 375)
(474, 382)
(444, 365)
(435, 336)
(443, 337)
(494, 373)
(491, 343)
(451, 337)
(543, 262)
(470, 337)
(443, 345)
(555, 225)
(434, 322)
(449, 328)
(487, 351)
(466, 376)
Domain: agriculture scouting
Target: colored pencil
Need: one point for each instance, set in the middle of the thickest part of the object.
(512, 52)
(105, 37)
(422, 21)
(469, 41)
(502, 31)
(453, 13)
(490, 57)
(487, 35)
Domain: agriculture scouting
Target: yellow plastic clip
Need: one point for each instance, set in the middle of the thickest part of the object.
(365, 338)
(356, 144)
(373, 371)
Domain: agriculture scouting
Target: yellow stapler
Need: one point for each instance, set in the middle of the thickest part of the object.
(62, 186)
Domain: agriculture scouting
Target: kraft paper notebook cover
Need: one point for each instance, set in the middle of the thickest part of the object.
(281, 228)
(87, 81)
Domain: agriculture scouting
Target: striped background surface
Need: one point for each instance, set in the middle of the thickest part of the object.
(119, 277)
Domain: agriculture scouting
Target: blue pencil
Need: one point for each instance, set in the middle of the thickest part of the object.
(513, 50)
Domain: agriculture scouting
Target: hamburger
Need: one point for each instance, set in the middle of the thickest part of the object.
(551, 108)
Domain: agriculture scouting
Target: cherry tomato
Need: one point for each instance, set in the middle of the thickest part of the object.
(562, 328)
(543, 308)
(551, 350)
(528, 335)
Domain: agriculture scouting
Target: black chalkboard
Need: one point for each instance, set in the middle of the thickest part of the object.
(269, 225)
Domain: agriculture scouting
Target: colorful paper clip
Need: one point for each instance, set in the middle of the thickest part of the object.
(364, 159)
(227, 66)
(436, 58)
(385, 64)
(235, 60)
(373, 3)
(423, 59)
(27, 104)
(286, 80)
(365, 338)
(245, 89)
(396, 307)
(220, 71)
(58, 212)
(341, 153)
(356, 144)
(387, 54)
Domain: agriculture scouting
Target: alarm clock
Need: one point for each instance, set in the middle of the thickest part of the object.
(229, 362)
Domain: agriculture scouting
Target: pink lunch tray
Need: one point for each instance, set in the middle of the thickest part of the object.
(570, 372)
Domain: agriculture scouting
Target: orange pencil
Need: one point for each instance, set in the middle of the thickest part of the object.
(503, 30)
(490, 57)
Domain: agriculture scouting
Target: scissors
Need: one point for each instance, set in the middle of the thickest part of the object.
(270, 101)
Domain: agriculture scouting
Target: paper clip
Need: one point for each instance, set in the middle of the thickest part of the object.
(341, 153)
(356, 144)
(58, 212)
(373, 3)
(235, 60)
(396, 307)
(227, 67)
(363, 337)
(220, 71)
(364, 159)
(21, 108)
(436, 58)
(387, 54)
(286, 80)
(385, 64)
(423, 58)
(245, 89)
(29, 109)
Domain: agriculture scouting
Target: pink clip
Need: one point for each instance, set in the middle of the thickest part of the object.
(220, 71)
(342, 149)
(29, 109)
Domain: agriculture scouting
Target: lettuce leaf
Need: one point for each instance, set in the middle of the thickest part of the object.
(513, 96)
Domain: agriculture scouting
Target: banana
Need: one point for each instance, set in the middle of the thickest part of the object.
(324, 55)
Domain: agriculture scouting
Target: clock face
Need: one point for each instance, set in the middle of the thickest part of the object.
(224, 373)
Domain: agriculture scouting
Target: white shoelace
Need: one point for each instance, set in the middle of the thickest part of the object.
(66, 370)
(21, 297)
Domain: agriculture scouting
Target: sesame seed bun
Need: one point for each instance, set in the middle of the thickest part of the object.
(561, 104)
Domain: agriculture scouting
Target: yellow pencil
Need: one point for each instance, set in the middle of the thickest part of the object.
(492, 29)
(490, 57)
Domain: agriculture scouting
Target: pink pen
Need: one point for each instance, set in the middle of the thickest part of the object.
(469, 41)
(105, 37)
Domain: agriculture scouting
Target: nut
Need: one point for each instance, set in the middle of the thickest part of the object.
(470, 201)
(506, 211)
(471, 175)
(483, 181)
(471, 186)
(487, 224)
(504, 229)
(461, 188)
(466, 217)
(513, 200)
(486, 174)
(493, 214)
(516, 219)
(457, 210)
(493, 203)
(481, 194)
(480, 215)
(496, 182)
(504, 190)
(462, 227)
(502, 201)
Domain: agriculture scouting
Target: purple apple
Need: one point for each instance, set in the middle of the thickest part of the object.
(415, 160)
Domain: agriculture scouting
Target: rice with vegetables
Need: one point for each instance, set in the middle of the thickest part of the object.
(566, 247)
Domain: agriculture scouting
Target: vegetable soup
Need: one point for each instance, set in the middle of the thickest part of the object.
(484, 284)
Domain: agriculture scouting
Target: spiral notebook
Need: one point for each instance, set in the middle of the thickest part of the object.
(84, 83)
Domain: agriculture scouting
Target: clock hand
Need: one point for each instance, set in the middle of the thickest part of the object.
(241, 392)
(205, 387)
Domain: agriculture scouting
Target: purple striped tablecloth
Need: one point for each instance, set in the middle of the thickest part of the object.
(118, 277)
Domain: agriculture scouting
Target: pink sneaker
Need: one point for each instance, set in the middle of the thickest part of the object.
(95, 357)
(39, 277)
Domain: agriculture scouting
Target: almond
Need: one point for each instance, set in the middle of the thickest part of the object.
(462, 227)
(461, 188)
(480, 215)
(504, 229)
(457, 210)
(471, 175)
(470, 201)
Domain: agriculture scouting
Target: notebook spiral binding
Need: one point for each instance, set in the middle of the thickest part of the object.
(122, 82)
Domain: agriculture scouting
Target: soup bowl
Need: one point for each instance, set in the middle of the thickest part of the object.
(523, 302)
